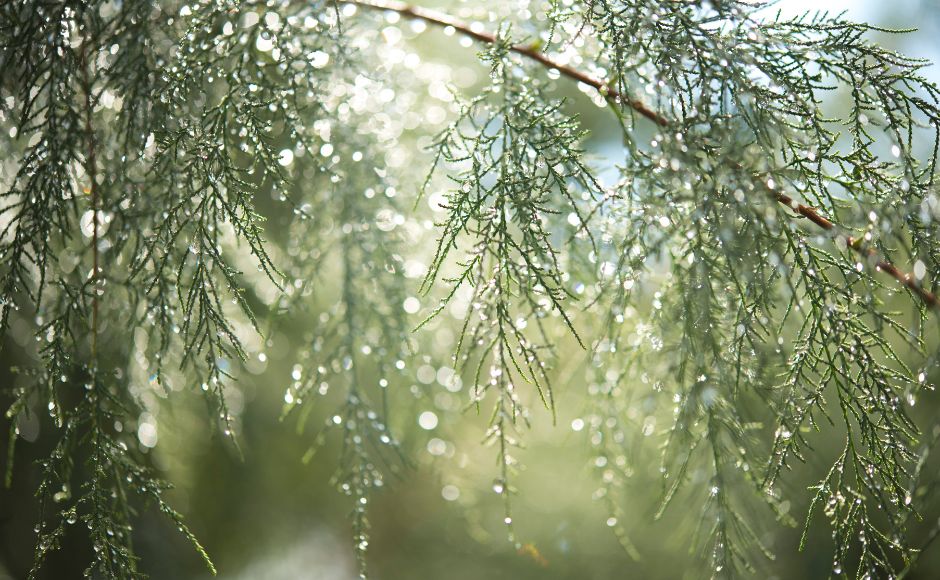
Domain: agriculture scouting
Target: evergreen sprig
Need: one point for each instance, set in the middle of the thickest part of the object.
(764, 232)
(518, 164)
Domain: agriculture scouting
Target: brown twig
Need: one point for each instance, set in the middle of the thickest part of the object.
(812, 214)
(857, 244)
(444, 20)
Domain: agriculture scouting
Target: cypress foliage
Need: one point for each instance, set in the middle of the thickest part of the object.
(765, 263)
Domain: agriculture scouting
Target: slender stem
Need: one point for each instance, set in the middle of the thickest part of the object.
(533, 53)
(91, 169)
(858, 245)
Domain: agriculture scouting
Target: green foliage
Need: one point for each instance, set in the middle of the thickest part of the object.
(744, 279)
(522, 167)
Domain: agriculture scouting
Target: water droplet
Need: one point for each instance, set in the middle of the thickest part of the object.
(437, 447)
(411, 305)
(427, 420)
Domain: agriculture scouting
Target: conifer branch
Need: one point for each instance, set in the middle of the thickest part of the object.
(91, 170)
(533, 53)
(530, 51)
(749, 329)
(857, 244)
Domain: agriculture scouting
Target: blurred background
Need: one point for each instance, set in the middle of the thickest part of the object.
(271, 516)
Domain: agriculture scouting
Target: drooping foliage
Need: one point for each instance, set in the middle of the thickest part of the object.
(760, 271)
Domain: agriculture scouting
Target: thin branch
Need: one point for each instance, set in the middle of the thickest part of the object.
(532, 52)
(444, 20)
(91, 169)
(857, 244)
